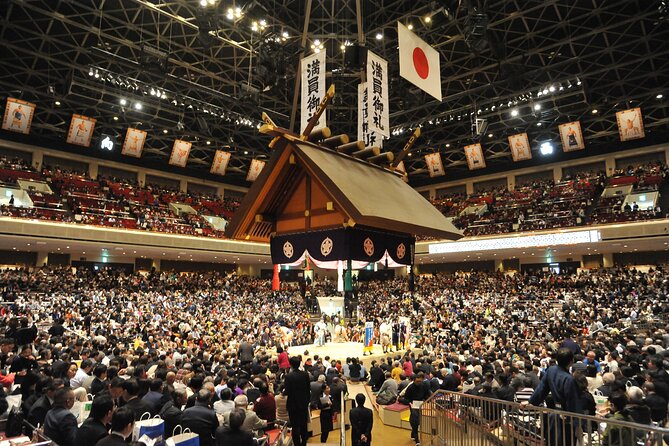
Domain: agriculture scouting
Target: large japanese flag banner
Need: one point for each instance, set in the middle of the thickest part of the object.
(419, 62)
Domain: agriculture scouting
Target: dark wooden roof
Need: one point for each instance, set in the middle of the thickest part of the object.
(306, 187)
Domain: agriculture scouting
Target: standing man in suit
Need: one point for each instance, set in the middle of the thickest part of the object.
(362, 421)
(245, 352)
(122, 423)
(298, 392)
(60, 425)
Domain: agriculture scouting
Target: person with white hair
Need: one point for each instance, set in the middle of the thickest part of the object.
(252, 423)
(635, 407)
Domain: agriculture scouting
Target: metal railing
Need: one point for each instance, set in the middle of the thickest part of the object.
(451, 418)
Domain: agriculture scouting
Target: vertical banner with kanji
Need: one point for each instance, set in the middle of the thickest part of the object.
(364, 134)
(313, 88)
(220, 164)
(377, 106)
(369, 337)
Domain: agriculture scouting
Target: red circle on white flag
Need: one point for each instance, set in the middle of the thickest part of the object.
(420, 63)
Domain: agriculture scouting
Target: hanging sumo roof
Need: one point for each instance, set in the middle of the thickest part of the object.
(306, 187)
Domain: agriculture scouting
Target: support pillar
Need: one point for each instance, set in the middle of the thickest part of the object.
(340, 276)
(610, 165)
(499, 265)
(155, 263)
(469, 187)
(38, 159)
(607, 260)
(93, 170)
(183, 185)
(42, 259)
(510, 182)
(141, 178)
(557, 174)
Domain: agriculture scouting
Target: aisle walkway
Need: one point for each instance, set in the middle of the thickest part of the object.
(382, 435)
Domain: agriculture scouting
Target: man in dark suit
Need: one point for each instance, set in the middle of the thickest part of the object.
(362, 421)
(39, 410)
(122, 423)
(201, 418)
(94, 428)
(245, 352)
(131, 399)
(298, 392)
(60, 425)
(171, 411)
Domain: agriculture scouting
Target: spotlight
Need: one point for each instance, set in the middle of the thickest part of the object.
(97, 75)
(138, 105)
(538, 124)
(90, 72)
(514, 112)
(490, 135)
(428, 19)
(115, 118)
(537, 107)
(165, 131)
(551, 89)
(594, 111)
(57, 102)
(410, 26)
(153, 92)
(203, 3)
(379, 36)
(123, 102)
(659, 96)
(546, 148)
(285, 34)
(545, 91)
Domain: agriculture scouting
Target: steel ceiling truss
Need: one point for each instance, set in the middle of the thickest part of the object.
(616, 50)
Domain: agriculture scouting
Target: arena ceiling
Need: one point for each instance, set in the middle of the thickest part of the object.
(218, 74)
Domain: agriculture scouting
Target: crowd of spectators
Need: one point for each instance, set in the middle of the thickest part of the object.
(163, 342)
(644, 179)
(545, 204)
(116, 202)
(535, 205)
